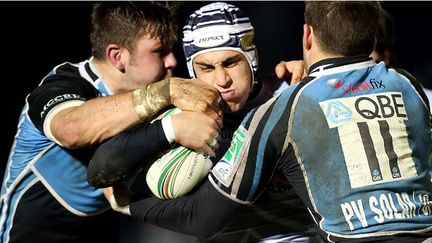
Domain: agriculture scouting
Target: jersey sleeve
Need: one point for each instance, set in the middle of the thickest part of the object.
(126, 153)
(57, 91)
(202, 213)
(255, 152)
(236, 180)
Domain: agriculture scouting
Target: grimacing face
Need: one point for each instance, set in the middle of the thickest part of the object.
(229, 72)
(149, 62)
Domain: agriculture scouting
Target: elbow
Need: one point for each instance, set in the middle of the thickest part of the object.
(94, 178)
(98, 174)
(70, 142)
(73, 135)
(106, 167)
(70, 136)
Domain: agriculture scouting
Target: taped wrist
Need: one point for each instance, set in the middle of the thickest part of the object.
(151, 99)
(168, 129)
(119, 207)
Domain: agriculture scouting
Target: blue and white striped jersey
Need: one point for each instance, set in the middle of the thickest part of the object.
(353, 138)
(35, 157)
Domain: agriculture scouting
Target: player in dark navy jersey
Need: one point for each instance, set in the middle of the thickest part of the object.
(231, 69)
(353, 139)
(45, 196)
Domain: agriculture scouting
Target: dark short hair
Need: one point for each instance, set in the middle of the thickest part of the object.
(123, 23)
(347, 28)
(386, 34)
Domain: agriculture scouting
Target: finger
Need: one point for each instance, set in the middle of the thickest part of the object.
(216, 117)
(212, 114)
(217, 104)
(298, 72)
(212, 143)
(214, 135)
(280, 70)
(219, 122)
(207, 150)
(296, 75)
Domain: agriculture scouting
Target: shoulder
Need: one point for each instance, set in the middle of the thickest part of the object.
(267, 87)
(415, 83)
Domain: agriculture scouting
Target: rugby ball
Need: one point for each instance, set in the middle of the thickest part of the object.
(178, 170)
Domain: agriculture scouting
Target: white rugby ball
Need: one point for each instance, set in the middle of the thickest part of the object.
(178, 171)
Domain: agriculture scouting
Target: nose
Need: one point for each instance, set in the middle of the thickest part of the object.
(222, 77)
(170, 61)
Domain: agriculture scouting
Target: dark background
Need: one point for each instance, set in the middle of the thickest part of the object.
(36, 36)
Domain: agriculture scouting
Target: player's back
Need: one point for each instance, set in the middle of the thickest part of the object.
(362, 138)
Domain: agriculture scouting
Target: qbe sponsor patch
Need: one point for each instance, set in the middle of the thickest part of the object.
(227, 167)
(373, 135)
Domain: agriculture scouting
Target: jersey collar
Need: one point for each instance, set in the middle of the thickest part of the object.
(98, 81)
(339, 64)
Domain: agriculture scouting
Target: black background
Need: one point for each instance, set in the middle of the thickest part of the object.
(36, 36)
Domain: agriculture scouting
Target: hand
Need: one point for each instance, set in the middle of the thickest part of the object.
(195, 95)
(294, 68)
(196, 131)
(119, 198)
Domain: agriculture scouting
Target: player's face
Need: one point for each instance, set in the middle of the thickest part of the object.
(229, 72)
(150, 62)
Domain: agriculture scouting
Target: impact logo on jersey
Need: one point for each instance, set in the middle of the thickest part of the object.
(226, 168)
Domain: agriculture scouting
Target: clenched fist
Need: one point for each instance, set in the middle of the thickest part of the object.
(195, 95)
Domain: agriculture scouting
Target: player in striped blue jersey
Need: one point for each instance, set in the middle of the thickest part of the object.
(45, 196)
(353, 138)
(219, 49)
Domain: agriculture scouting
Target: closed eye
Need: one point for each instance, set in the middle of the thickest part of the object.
(204, 67)
(163, 51)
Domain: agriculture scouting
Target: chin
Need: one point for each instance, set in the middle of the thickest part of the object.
(231, 108)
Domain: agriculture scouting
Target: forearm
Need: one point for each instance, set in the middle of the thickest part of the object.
(103, 117)
(125, 153)
(94, 121)
(202, 214)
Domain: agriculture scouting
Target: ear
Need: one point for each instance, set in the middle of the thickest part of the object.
(114, 54)
(307, 36)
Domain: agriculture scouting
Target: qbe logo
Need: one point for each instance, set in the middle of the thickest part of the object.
(373, 137)
(364, 108)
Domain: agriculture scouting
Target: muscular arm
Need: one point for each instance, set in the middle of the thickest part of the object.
(202, 214)
(94, 121)
(70, 111)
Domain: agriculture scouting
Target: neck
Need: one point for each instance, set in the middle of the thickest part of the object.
(316, 56)
(109, 75)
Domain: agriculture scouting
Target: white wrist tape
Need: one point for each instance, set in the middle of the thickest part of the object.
(168, 129)
(116, 207)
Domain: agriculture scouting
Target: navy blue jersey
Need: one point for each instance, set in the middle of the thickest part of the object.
(353, 139)
(35, 157)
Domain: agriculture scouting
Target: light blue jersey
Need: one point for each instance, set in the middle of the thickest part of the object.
(35, 158)
(353, 138)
